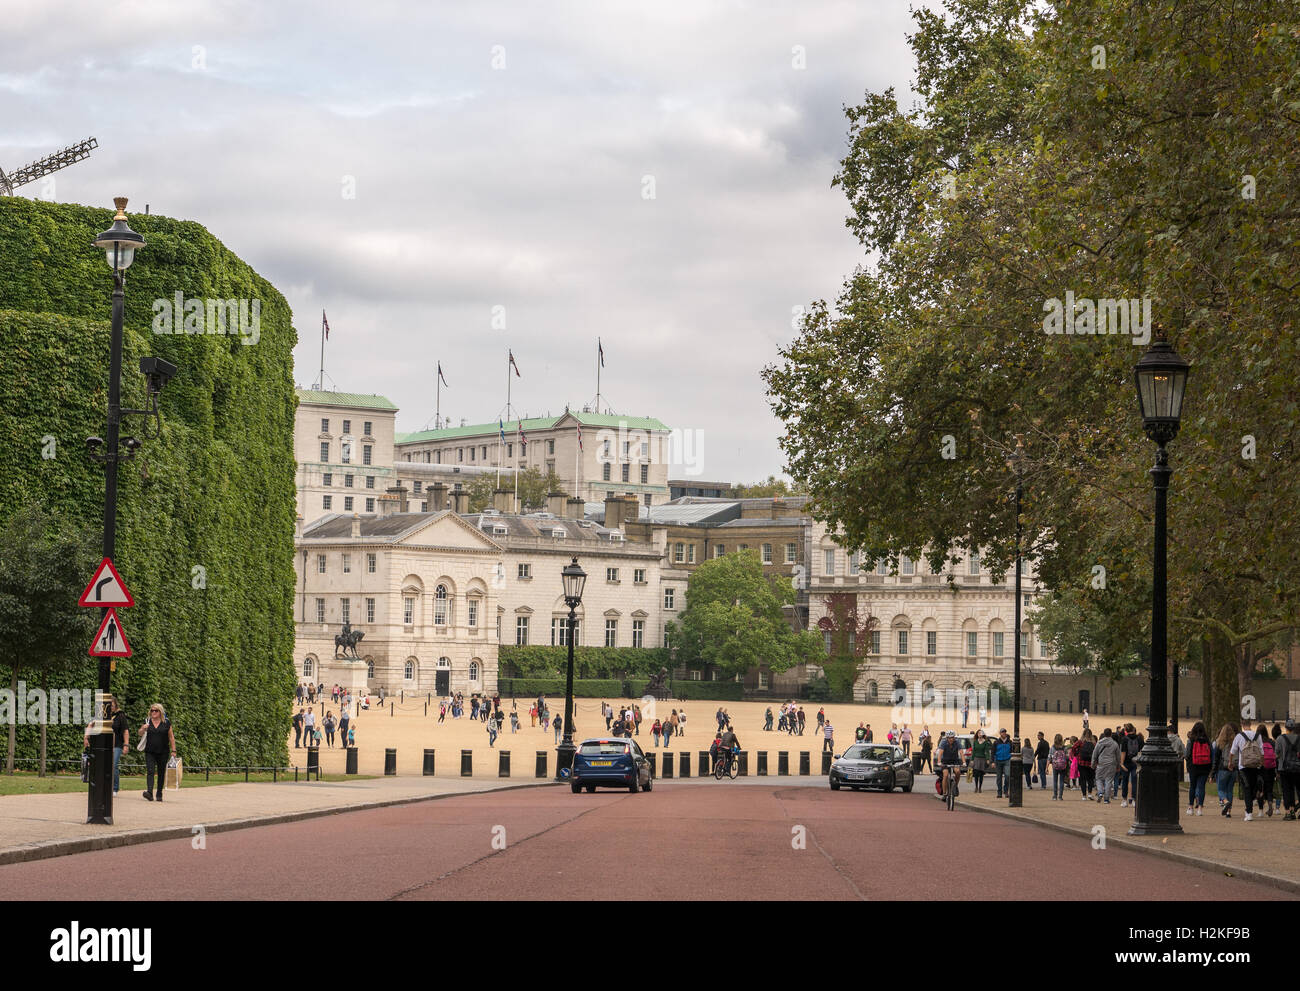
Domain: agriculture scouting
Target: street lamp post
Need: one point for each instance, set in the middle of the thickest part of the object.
(1161, 377)
(574, 579)
(1015, 793)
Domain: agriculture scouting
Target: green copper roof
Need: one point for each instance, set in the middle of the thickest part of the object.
(343, 399)
(533, 423)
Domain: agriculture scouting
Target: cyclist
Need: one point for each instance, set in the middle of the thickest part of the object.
(728, 745)
(950, 759)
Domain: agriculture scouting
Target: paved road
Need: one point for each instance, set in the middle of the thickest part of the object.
(685, 840)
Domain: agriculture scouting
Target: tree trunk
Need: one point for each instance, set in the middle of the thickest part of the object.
(40, 772)
(1245, 659)
(13, 725)
(1222, 702)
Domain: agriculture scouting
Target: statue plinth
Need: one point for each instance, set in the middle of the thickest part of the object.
(349, 673)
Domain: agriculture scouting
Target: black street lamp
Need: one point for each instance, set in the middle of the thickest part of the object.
(574, 580)
(1161, 377)
(119, 244)
(1015, 793)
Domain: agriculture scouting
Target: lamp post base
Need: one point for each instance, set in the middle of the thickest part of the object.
(1158, 796)
(1015, 792)
(564, 761)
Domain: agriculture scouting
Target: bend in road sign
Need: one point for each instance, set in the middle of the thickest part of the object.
(110, 641)
(106, 588)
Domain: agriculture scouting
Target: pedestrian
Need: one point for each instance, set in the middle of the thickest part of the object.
(352, 736)
(158, 738)
(1247, 755)
(802, 719)
(1200, 758)
(867, 737)
(1128, 768)
(829, 732)
(984, 715)
(299, 693)
(309, 726)
(607, 711)
(681, 723)
(1085, 719)
(532, 714)
(767, 719)
(821, 718)
(965, 712)
(329, 729)
(926, 745)
(636, 720)
(297, 727)
(1041, 753)
(492, 732)
(1074, 762)
(121, 740)
(1060, 760)
(860, 733)
(514, 721)
(1087, 744)
(907, 740)
(1287, 748)
(656, 729)
(670, 725)
(558, 724)
(545, 716)
(1268, 770)
(473, 707)
(344, 720)
(316, 737)
(980, 750)
(1105, 763)
(1001, 760)
(1027, 763)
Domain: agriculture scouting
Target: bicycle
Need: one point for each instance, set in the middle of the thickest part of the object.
(727, 764)
(952, 774)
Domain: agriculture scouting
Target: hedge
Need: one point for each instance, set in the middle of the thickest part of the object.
(214, 491)
(721, 691)
(540, 661)
(585, 688)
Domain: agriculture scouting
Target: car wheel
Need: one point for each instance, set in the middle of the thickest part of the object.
(907, 789)
(591, 789)
(635, 786)
(835, 785)
(893, 780)
(649, 782)
(576, 788)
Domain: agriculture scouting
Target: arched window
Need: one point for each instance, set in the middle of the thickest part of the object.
(440, 606)
(473, 670)
(873, 691)
(927, 693)
(444, 662)
(306, 667)
(409, 672)
(370, 668)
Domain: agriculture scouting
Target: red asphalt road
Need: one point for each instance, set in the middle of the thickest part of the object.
(707, 840)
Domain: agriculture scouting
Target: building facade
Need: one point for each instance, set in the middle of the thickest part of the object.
(343, 445)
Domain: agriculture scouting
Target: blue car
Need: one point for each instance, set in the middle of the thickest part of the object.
(610, 762)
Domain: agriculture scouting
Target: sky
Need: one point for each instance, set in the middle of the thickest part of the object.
(451, 180)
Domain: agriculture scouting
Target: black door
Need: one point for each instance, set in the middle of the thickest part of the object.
(443, 686)
(1084, 699)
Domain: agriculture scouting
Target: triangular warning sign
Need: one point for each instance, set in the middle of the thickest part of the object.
(106, 588)
(110, 641)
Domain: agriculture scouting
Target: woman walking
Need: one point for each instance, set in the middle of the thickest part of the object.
(1060, 761)
(329, 729)
(926, 746)
(1268, 769)
(1200, 758)
(1225, 776)
(158, 740)
(980, 750)
(1027, 765)
(1086, 747)
(656, 729)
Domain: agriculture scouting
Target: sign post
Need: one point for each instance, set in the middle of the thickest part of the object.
(106, 590)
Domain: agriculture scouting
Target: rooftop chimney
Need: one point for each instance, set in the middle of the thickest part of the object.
(388, 504)
(460, 502)
(438, 497)
(356, 525)
(503, 500)
(398, 492)
(778, 508)
(555, 504)
(575, 508)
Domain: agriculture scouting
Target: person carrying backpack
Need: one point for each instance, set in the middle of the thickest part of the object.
(1288, 767)
(1128, 768)
(1060, 761)
(1105, 762)
(1248, 751)
(1267, 772)
(1200, 758)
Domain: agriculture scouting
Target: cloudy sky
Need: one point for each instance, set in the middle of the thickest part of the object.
(657, 175)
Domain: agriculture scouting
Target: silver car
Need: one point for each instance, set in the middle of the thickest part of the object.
(872, 765)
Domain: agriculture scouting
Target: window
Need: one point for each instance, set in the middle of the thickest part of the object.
(902, 642)
(550, 447)
(829, 562)
(626, 448)
(408, 610)
(853, 641)
(408, 672)
(306, 666)
(370, 610)
(347, 564)
(605, 449)
(719, 550)
(370, 505)
(347, 481)
(611, 633)
(997, 644)
(604, 472)
(345, 453)
(626, 470)
(666, 643)
(345, 610)
(326, 501)
(365, 454)
(347, 426)
(875, 641)
(347, 504)
(327, 478)
(638, 633)
(473, 612)
(324, 450)
(975, 563)
(694, 674)
(370, 563)
(510, 450)
(370, 668)
(789, 553)
(767, 553)
(483, 452)
(854, 562)
(645, 474)
(611, 574)
(931, 642)
(690, 553)
(498, 625)
(560, 631)
(972, 644)
(762, 680)
(882, 567)
(521, 630)
(320, 564)
(679, 553)
(440, 606)
(550, 467)
(645, 449)
(324, 426)
(370, 483)
(473, 670)
(460, 454)
(471, 454)
(320, 610)
(670, 596)
(905, 566)
(1024, 644)
(826, 639)
(638, 576)
(525, 571)
(367, 428)
(647, 498)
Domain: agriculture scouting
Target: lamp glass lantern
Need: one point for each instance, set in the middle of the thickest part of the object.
(575, 579)
(1161, 377)
(119, 242)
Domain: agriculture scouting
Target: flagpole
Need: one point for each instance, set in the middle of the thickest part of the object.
(577, 460)
(321, 381)
(437, 409)
(597, 374)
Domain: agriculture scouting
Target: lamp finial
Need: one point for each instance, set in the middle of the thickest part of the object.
(120, 203)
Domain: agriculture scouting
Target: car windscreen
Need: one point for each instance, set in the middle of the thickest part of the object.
(607, 749)
(869, 753)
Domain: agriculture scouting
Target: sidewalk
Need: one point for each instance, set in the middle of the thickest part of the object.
(1266, 850)
(33, 827)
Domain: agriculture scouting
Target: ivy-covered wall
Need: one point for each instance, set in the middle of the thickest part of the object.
(214, 492)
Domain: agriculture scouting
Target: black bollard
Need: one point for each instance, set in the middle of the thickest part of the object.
(706, 764)
(541, 763)
(827, 757)
(352, 761)
(744, 764)
(390, 761)
(390, 708)
(684, 764)
(467, 763)
(429, 765)
(783, 762)
(668, 763)
(762, 764)
(805, 763)
(503, 764)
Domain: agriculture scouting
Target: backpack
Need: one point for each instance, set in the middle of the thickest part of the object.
(1200, 753)
(1270, 756)
(1252, 755)
(1059, 760)
(1132, 747)
(1291, 760)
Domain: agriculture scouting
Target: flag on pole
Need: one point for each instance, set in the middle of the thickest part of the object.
(441, 376)
(579, 436)
(601, 351)
(325, 323)
(523, 441)
(512, 363)
(502, 427)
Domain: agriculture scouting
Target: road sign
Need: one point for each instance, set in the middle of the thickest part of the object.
(106, 588)
(110, 641)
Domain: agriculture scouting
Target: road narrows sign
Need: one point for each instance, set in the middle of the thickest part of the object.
(110, 641)
(106, 588)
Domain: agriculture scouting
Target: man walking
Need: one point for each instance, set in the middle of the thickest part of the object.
(965, 713)
(1105, 762)
(1001, 759)
(829, 731)
(297, 728)
(607, 711)
(344, 720)
(1041, 752)
(802, 718)
(121, 730)
(906, 737)
(309, 726)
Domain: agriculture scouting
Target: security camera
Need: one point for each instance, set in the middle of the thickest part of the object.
(94, 442)
(131, 444)
(158, 372)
